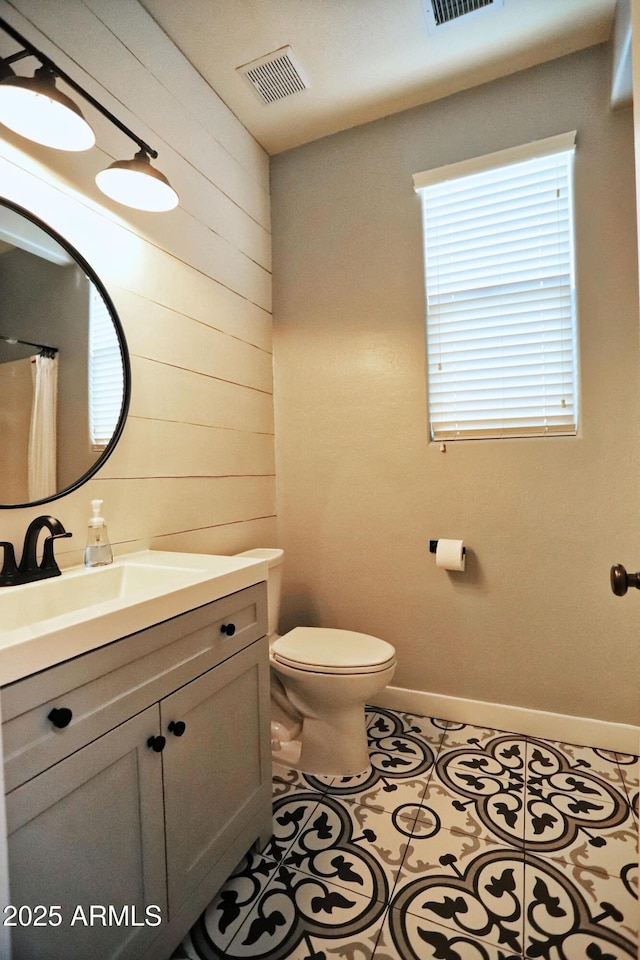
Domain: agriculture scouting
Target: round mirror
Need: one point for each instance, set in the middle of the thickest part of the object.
(64, 367)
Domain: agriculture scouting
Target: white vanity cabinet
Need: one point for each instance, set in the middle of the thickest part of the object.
(138, 807)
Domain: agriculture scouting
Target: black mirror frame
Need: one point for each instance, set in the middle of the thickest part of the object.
(124, 355)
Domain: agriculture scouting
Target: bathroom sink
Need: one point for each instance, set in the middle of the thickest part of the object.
(49, 621)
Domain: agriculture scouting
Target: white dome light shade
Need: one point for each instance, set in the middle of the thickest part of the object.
(37, 110)
(135, 183)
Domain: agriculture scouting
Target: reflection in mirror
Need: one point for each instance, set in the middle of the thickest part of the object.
(64, 370)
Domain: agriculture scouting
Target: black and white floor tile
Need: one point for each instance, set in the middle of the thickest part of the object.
(461, 843)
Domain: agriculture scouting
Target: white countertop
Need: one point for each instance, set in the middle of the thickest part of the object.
(49, 621)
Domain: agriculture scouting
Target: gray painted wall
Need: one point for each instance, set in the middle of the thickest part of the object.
(361, 490)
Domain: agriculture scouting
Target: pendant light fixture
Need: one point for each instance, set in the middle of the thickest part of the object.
(137, 184)
(35, 108)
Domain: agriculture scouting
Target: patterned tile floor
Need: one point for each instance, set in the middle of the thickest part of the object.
(461, 844)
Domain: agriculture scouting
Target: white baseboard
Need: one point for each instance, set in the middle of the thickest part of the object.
(621, 737)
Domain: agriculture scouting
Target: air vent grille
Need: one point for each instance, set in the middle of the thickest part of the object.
(446, 10)
(440, 12)
(275, 76)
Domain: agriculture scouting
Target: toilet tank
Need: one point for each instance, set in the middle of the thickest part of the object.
(274, 558)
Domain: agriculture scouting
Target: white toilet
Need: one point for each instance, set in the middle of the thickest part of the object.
(321, 679)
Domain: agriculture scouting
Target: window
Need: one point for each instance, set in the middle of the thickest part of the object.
(500, 293)
(105, 373)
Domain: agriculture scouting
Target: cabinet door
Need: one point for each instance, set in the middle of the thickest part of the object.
(217, 771)
(85, 836)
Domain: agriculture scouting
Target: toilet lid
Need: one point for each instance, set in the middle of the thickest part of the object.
(325, 650)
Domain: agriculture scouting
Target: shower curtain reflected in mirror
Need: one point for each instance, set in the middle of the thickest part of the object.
(42, 435)
(16, 392)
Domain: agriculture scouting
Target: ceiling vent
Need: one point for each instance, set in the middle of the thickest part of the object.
(441, 12)
(275, 76)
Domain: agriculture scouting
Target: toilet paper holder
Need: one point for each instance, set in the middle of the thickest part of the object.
(433, 548)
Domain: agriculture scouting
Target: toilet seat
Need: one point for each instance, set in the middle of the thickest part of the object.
(325, 650)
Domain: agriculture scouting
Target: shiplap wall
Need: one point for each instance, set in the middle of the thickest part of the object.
(194, 469)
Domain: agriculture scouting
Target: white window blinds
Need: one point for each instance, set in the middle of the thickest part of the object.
(501, 328)
(105, 373)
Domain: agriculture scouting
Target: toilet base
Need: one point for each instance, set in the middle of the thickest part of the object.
(286, 753)
(332, 747)
(289, 755)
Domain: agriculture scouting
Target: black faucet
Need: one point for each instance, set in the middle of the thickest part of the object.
(29, 569)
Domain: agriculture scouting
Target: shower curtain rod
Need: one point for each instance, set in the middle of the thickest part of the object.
(46, 351)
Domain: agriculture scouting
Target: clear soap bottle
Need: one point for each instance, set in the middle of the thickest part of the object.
(98, 549)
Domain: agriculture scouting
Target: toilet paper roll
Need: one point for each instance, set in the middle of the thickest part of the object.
(450, 554)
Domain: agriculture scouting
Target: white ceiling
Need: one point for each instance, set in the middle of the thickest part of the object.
(366, 59)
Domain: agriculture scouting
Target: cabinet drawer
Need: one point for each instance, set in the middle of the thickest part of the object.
(107, 686)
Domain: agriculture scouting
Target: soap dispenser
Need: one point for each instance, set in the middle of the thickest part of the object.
(98, 550)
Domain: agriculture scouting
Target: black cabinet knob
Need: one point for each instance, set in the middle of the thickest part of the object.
(60, 717)
(621, 580)
(228, 628)
(177, 727)
(156, 743)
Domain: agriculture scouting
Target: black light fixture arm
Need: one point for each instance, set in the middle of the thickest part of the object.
(30, 50)
(20, 55)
